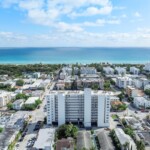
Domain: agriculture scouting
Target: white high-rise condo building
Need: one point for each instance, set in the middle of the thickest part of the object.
(87, 108)
(134, 70)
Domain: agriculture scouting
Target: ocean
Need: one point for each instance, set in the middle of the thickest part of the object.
(73, 55)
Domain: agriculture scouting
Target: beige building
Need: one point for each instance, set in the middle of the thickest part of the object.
(5, 98)
(131, 91)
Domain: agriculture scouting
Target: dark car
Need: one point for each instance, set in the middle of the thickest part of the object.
(21, 139)
(116, 119)
(119, 125)
(38, 107)
(23, 134)
(26, 130)
(37, 127)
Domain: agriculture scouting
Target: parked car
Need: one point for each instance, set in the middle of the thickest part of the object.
(119, 125)
(116, 119)
(21, 139)
(38, 107)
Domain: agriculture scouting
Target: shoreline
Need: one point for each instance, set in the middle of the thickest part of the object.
(74, 62)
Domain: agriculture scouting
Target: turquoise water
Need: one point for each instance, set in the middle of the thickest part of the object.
(73, 55)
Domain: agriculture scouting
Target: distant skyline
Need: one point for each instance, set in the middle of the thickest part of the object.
(68, 23)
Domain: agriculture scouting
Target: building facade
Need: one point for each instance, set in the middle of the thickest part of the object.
(108, 70)
(5, 98)
(141, 103)
(123, 82)
(131, 91)
(134, 70)
(86, 108)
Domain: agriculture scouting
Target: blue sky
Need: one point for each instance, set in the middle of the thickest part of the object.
(121, 23)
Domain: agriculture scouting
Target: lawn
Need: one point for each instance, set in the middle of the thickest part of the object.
(114, 116)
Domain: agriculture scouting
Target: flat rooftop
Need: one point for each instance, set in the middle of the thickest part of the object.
(45, 138)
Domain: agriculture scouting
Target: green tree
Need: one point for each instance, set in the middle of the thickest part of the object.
(19, 82)
(95, 87)
(10, 106)
(22, 96)
(121, 96)
(92, 131)
(129, 131)
(112, 82)
(65, 131)
(126, 146)
(140, 145)
(107, 85)
(1, 130)
(147, 92)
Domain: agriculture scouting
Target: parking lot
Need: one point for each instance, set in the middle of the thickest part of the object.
(31, 132)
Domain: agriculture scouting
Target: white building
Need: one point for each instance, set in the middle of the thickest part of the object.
(147, 87)
(17, 105)
(134, 70)
(141, 102)
(108, 70)
(45, 140)
(5, 98)
(36, 75)
(88, 70)
(140, 83)
(124, 138)
(63, 75)
(68, 70)
(123, 82)
(120, 70)
(31, 100)
(147, 67)
(86, 108)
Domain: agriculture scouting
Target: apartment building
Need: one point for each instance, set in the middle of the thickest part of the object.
(123, 82)
(87, 108)
(88, 70)
(69, 70)
(108, 70)
(17, 105)
(134, 70)
(147, 67)
(120, 70)
(131, 91)
(141, 102)
(140, 83)
(5, 97)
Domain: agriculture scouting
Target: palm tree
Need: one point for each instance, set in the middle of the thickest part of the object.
(126, 145)
(140, 145)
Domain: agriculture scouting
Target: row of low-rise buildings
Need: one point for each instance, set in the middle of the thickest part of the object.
(141, 102)
(110, 71)
(80, 107)
(124, 81)
(69, 71)
(122, 70)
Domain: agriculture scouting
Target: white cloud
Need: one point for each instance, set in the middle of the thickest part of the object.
(91, 11)
(45, 12)
(137, 14)
(124, 16)
(78, 37)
